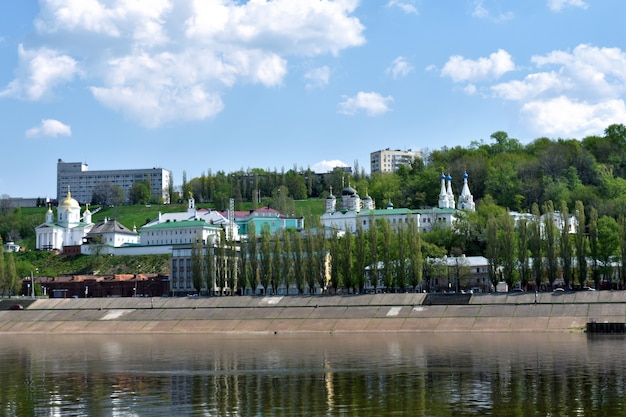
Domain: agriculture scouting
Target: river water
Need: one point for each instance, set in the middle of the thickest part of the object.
(378, 374)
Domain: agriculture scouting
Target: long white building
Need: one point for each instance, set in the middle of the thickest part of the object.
(77, 176)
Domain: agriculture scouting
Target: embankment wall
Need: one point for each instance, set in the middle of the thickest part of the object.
(566, 312)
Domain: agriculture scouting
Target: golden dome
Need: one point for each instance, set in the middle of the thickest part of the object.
(69, 201)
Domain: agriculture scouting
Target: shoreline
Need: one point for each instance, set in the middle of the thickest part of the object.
(373, 313)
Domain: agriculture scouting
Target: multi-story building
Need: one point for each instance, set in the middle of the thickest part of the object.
(388, 160)
(83, 182)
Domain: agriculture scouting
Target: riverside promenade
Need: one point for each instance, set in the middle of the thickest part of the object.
(412, 312)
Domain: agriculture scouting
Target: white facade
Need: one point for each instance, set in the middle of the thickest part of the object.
(69, 229)
(388, 160)
(83, 182)
(354, 212)
(185, 227)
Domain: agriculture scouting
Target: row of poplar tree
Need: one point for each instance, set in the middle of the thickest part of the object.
(534, 253)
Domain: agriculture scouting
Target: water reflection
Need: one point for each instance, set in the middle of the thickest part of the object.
(364, 375)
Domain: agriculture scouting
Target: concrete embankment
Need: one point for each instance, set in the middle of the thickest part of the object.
(564, 312)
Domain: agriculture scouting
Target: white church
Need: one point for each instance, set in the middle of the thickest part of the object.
(353, 210)
(69, 229)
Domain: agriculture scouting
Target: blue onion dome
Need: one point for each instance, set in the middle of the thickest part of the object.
(465, 175)
(449, 177)
(443, 176)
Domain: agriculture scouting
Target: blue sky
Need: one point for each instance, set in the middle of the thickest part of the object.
(199, 85)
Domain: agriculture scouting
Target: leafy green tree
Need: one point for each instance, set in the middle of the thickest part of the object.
(608, 245)
(551, 243)
(373, 253)
(621, 223)
(3, 278)
(493, 250)
(387, 255)
(210, 270)
(287, 264)
(580, 243)
(415, 255)
(12, 283)
(347, 258)
(277, 262)
(507, 249)
(298, 260)
(535, 245)
(107, 194)
(360, 256)
(566, 246)
(139, 193)
(401, 258)
(522, 251)
(253, 256)
(265, 258)
(197, 264)
(594, 248)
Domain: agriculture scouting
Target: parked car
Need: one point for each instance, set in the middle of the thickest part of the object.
(16, 307)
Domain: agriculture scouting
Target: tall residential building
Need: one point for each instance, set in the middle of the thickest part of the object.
(82, 182)
(389, 161)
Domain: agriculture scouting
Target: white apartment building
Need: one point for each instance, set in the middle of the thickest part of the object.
(390, 160)
(82, 182)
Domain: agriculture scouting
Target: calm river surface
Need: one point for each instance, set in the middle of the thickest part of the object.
(313, 375)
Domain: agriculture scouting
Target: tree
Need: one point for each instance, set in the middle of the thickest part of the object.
(535, 243)
(594, 250)
(507, 249)
(360, 256)
(139, 193)
(621, 222)
(197, 264)
(492, 252)
(347, 261)
(415, 254)
(522, 251)
(12, 283)
(566, 246)
(3, 277)
(608, 245)
(373, 253)
(106, 193)
(387, 256)
(265, 259)
(277, 263)
(580, 243)
(550, 238)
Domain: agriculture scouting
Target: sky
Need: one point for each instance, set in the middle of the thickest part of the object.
(199, 86)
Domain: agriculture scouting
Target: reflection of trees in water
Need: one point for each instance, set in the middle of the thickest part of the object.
(366, 375)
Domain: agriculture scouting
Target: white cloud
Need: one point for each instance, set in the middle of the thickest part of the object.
(558, 5)
(482, 13)
(317, 77)
(327, 166)
(589, 70)
(532, 86)
(49, 128)
(40, 70)
(140, 20)
(461, 69)
(565, 117)
(372, 103)
(400, 67)
(159, 61)
(470, 89)
(303, 27)
(405, 6)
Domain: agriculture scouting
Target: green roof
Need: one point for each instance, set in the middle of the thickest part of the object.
(181, 225)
